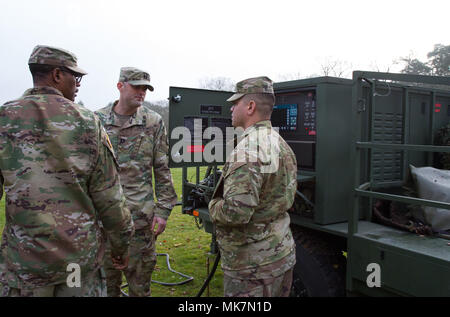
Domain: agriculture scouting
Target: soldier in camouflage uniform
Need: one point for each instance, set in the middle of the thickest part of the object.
(139, 138)
(60, 177)
(250, 203)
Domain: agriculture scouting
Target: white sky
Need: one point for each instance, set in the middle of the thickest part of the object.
(182, 42)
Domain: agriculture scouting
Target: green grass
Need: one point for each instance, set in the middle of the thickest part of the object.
(188, 249)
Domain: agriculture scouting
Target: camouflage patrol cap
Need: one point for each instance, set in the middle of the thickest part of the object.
(47, 55)
(257, 85)
(135, 77)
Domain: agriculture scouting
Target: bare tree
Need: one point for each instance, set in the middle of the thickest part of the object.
(336, 68)
(290, 76)
(161, 103)
(160, 107)
(380, 68)
(217, 83)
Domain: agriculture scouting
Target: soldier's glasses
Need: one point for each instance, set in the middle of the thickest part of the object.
(78, 77)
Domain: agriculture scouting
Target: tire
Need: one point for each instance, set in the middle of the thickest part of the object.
(321, 266)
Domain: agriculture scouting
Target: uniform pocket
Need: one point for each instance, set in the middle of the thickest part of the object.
(135, 145)
(143, 149)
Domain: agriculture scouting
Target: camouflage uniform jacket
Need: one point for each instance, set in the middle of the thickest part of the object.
(141, 145)
(250, 203)
(60, 176)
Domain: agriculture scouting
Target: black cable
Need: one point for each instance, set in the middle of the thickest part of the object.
(216, 263)
(188, 278)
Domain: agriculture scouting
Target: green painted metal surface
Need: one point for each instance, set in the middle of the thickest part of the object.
(409, 264)
(188, 104)
(393, 129)
(366, 133)
(332, 146)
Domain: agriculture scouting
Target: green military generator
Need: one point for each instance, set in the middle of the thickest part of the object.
(355, 215)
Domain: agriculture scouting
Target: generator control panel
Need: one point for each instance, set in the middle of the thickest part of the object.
(196, 113)
(285, 117)
(294, 114)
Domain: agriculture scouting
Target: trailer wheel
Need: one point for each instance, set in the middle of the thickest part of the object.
(321, 266)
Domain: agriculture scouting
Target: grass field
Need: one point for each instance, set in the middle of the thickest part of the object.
(188, 249)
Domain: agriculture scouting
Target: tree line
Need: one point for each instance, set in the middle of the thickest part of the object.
(437, 64)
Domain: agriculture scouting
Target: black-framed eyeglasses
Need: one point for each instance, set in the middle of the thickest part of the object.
(78, 77)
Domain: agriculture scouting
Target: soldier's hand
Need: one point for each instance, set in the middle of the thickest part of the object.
(161, 225)
(120, 263)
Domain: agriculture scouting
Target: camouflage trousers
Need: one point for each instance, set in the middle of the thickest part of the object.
(272, 287)
(94, 286)
(140, 267)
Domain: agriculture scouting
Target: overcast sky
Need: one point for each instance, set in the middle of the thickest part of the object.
(181, 42)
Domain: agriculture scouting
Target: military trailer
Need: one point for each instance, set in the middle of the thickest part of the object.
(356, 218)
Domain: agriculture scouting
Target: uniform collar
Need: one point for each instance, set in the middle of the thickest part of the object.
(261, 124)
(137, 118)
(45, 90)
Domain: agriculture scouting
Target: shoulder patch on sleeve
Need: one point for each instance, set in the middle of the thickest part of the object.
(107, 143)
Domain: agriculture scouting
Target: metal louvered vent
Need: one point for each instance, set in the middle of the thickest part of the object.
(386, 165)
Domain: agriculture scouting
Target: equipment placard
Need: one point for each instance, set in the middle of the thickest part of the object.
(210, 109)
